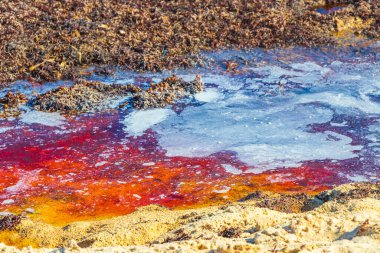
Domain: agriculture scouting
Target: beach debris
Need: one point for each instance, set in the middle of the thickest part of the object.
(167, 92)
(9, 104)
(231, 66)
(51, 40)
(341, 195)
(364, 226)
(230, 233)
(10, 222)
(180, 235)
(83, 96)
(288, 203)
(301, 202)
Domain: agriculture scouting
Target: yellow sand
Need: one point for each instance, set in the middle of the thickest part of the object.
(353, 226)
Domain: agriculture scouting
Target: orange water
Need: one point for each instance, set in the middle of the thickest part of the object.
(97, 172)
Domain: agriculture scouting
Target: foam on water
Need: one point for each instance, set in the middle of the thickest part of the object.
(267, 130)
(23, 183)
(210, 95)
(268, 134)
(231, 169)
(139, 121)
(222, 81)
(343, 101)
(4, 129)
(43, 118)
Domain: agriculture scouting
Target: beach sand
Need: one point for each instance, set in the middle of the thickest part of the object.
(345, 222)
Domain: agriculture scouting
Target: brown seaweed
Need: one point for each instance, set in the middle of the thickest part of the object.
(50, 40)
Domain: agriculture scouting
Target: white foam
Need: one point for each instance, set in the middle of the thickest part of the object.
(148, 164)
(30, 210)
(272, 132)
(341, 100)
(224, 189)
(6, 213)
(4, 129)
(310, 67)
(98, 164)
(357, 178)
(209, 95)
(138, 121)
(314, 147)
(261, 135)
(276, 178)
(272, 74)
(338, 124)
(222, 81)
(231, 169)
(43, 118)
(187, 77)
(26, 178)
(307, 72)
(8, 201)
(136, 196)
(124, 81)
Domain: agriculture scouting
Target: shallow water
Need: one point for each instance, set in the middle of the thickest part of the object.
(329, 9)
(290, 120)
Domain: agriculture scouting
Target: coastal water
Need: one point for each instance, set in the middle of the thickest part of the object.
(285, 120)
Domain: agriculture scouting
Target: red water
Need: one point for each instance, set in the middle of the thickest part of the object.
(95, 171)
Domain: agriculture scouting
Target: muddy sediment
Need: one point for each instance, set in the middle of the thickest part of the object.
(51, 40)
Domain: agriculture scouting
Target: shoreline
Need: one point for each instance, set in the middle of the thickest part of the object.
(251, 224)
(53, 203)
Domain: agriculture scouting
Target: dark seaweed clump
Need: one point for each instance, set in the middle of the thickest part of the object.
(167, 92)
(230, 232)
(301, 202)
(180, 235)
(359, 191)
(83, 96)
(50, 40)
(86, 96)
(287, 203)
(10, 222)
(9, 104)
